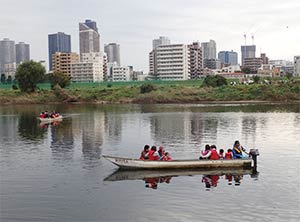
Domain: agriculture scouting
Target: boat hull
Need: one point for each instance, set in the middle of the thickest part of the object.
(132, 164)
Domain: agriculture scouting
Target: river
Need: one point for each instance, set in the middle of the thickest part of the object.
(56, 172)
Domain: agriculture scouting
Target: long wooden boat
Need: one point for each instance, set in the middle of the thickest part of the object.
(49, 120)
(133, 164)
(144, 174)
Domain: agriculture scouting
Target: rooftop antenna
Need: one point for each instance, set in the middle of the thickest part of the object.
(245, 37)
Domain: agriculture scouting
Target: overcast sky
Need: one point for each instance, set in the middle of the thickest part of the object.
(135, 23)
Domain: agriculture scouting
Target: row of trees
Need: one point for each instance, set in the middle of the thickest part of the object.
(30, 73)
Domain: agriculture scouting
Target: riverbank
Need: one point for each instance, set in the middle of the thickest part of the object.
(157, 93)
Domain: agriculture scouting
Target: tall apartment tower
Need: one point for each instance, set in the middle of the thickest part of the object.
(7, 57)
(209, 50)
(89, 38)
(59, 42)
(248, 51)
(22, 52)
(162, 40)
(112, 51)
(195, 55)
(228, 57)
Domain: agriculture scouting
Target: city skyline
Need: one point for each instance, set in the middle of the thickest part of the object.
(275, 25)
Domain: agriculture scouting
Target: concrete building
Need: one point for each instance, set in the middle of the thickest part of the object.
(153, 63)
(112, 51)
(297, 65)
(253, 63)
(172, 62)
(162, 40)
(61, 61)
(209, 50)
(89, 38)
(195, 61)
(59, 42)
(212, 63)
(228, 57)
(7, 57)
(248, 51)
(264, 58)
(120, 73)
(22, 52)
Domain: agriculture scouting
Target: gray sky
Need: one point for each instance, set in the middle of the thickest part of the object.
(134, 23)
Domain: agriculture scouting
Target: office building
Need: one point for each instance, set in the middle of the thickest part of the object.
(212, 63)
(209, 50)
(59, 42)
(248, 51)
(253, 63)
(195, 61)
(61, 61)
(297, 65)
(22, 52)
(89, 38)
(228, 57)
(7, 57)
(112, 51)
(162, 40)
(172, 62)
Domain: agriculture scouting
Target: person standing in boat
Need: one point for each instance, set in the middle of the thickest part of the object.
(205, 154)
(145, 153)
(237, 151)
(153, 155)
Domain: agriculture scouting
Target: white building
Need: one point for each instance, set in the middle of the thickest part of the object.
(297, 65)
(120, 73)
(172, 62)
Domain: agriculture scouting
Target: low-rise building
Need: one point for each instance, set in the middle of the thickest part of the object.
(61, 61)
(120, 73)
(87, 72)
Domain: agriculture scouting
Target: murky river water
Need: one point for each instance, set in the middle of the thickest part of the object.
(56, 173)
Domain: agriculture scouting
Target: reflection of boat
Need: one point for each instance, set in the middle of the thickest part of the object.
(49, 120)
(128, 163)
(143, 174)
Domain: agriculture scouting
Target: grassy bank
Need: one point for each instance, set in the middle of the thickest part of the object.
(163, 92)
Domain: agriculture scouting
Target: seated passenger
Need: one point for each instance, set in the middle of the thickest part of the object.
(161, 153)
(42, 115)
(228, 154)
(221, 154)
(153, 155)
(167, 157)
(144, 153)
(214, 153)
(237, 151)
(205, 154)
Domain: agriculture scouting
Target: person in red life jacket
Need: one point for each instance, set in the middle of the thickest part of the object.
(205, 154)
(167, 157)
(42, 115)
(145, 153)
(214, 153)
(228, 154)
(153, 154)
(161, 153)
(221, 154)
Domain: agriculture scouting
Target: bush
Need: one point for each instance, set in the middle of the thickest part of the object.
(214, 81)
(146, 88)
(14, 87)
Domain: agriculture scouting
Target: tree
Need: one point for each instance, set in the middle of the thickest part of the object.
(214, 81)
(59, 78)
(256, 79)
(29, 74)
(9, 79)
(3, 78)
(246, 70)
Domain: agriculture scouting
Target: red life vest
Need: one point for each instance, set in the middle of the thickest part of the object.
(214, 155)
(152, 155)
(42, 115)
(228, 155)
(167, 158)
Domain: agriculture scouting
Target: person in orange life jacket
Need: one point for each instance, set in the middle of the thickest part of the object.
(228, 154)
(205, 154)
(221, 154)
(153, 154)
(167, 157)
(144, 153)
(214, 153)
(161, 153)
(237, 151)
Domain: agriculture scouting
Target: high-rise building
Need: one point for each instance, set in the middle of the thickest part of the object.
(89, 38)
(162, 40)
(172, 62)
(59, 42)
(112, 51)
(7, 57)
(22, 52)
(297, 65)
(209, 50)
(195, 62)
(228, 57)
(248, 51)
(61, 61)
(212, 63)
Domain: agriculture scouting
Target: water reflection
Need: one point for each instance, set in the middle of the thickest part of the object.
(29, 129)
(210, 177)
